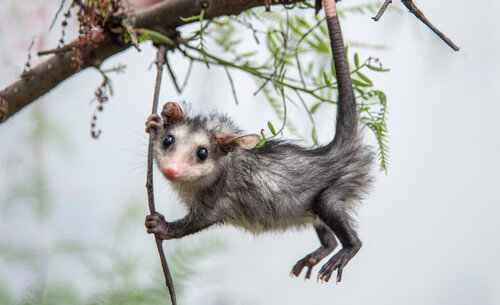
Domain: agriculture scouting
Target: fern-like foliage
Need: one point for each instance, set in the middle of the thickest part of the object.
(292, 56)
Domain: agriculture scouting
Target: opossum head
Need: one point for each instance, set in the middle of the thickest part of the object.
(197, 149)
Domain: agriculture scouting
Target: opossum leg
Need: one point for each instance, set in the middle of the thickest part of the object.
(156, 224)
(328, 244)
(333, 213)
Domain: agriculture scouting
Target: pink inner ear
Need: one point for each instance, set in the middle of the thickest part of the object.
(236, 140)
(226, 139)
(172, 112)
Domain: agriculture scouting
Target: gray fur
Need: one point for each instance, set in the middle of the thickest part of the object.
(273, 188)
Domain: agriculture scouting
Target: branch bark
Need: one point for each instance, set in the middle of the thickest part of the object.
(162, 17)
(418, 13)
(410, 5)
(382, 10)
(160, 62)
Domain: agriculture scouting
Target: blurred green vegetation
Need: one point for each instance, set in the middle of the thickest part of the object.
(119, 273)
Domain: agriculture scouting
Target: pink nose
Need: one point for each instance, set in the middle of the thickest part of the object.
(171, 172)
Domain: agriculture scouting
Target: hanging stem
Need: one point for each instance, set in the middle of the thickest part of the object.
(160, 62)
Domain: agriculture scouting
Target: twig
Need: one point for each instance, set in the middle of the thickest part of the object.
(249, 26)
(172, 76)
(160, 62)
(299, 67)
(221, 62)
(59, 50)
(27, 65)
(282, 59)
(267, 5)
(314, 136)
(129, 29)
(57, 14)
(232, 85)
(382, 10)
(188, 73)
(418, 13)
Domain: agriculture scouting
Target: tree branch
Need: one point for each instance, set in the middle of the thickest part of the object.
(160, 62)
(50, 73)
(382, 10)
(418, 13)
(162, 17)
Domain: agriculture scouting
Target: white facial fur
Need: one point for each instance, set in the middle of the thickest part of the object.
(182, 154)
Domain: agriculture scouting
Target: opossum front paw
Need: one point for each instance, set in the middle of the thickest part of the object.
(337, 262)
(153, 122)
(156, 224)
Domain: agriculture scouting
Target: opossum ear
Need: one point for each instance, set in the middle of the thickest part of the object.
(231, 140)
(172, 113)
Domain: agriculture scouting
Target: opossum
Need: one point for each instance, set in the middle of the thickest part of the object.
(224, 179)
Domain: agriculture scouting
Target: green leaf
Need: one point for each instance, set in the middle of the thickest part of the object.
(155, 37)
(356, 82)
(356, 60)
(262, 142)
(306, 4)
(299, 22)
(325, 77)
(313, 136)
(334, 72)
(248, 54)
(381, 96)
(271, 44)
(315, 107)
(378, 69)
(271, 128)
(359, 90)
(365, 78)
(126, 38)
(225, 21)
(193, 18)
(323, 30)
(187, 19)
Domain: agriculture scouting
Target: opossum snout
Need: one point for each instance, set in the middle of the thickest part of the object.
(173, 168)
(172, 171)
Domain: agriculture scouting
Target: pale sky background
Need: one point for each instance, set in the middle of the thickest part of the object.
(428, 227)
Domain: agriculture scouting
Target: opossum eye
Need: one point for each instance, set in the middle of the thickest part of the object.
(202, 153)
(168, 141)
